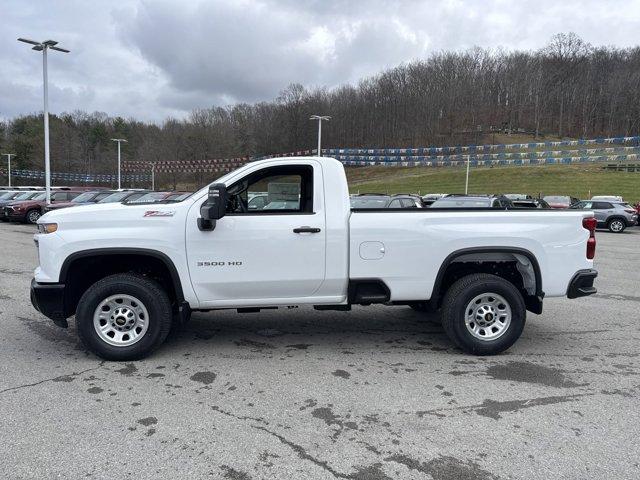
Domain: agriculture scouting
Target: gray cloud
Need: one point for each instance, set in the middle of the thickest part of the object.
(163, 58)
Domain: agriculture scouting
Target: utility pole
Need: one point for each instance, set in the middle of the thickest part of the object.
(43, 47)
(320, 118)
(9, 155)
(119, 140)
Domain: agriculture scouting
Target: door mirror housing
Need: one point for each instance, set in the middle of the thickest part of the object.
(214, 208)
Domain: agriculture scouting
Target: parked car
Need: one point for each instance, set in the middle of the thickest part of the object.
(530, 203)
(429, 198)
(153, 197)
(607, 198)
(30, 210)
(15, 198)
(482, 269)
(560, 201)
(614, 216)
(85, 198)
(473, 201)
(518, 196)
(258, 202)
(123, 195)
(378, 200)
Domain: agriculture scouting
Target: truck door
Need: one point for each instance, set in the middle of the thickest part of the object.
(257, 253)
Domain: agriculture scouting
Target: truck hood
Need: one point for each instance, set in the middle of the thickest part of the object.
(101, 215)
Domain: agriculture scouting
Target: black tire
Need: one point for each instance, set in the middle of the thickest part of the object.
(153, 297)
(32, 216)
(459, 296)
(616, 225)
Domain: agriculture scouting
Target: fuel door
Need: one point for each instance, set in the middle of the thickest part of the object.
(372, 250)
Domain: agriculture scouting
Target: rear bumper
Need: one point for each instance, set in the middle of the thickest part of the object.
(48, 299)
(581, 284)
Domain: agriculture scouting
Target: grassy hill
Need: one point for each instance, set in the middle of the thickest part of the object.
(581, 181)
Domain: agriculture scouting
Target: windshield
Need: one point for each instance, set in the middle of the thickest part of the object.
(369, 202)
(25, 196)
(39, 197)
(85, 197)
(6, 195)
(453, 202)
(115, 197)
(149, 197)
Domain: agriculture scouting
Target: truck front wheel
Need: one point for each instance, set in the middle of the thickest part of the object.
(124, 317)
(483, 314)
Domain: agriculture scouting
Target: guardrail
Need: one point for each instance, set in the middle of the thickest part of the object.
(475, 155)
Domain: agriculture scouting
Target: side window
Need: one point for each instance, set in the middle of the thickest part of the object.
(602, 206)
(281, 189)
(100, 196)
(72, 195)
(59, 196)
(409, 203)
(395, 203)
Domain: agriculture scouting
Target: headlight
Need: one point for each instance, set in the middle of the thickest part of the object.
(47, 227)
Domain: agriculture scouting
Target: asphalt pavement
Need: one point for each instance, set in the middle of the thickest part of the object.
(375, 393)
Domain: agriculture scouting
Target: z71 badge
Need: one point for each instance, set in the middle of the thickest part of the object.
(159, 213)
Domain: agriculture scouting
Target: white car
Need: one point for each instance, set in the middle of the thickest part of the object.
(128, 271)
(607, 198)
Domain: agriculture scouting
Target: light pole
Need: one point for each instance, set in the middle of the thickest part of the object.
(320, 118)
(43, 47)
(119, 140)
(9, 155)
(466, 183)
(153, 177)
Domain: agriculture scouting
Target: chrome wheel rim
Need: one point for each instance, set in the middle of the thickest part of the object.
(34, 216)
(616, 225)
(121, 320)
(488, 316)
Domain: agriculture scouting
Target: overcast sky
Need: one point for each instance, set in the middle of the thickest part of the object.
(158, 58)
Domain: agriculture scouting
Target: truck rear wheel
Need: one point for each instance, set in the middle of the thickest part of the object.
(483, 314)
(124, 317)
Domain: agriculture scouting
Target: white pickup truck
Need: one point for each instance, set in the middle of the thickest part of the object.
(128, 271)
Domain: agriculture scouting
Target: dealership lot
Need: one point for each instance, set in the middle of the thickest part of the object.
(377, 393)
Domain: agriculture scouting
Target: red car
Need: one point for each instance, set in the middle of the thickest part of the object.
(29, 211)
(87, 198)
(560, 201)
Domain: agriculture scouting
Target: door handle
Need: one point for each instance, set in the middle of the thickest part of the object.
(306, 229)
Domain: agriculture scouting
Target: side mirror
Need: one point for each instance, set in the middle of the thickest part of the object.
(214, 208)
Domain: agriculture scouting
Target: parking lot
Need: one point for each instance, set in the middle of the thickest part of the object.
(378, 393)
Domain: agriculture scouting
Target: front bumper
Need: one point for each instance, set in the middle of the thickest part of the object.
(581, 284)
(48, 299)
(14, 215)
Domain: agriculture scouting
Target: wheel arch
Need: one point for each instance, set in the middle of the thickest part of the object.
(92, 264)
(533, 299)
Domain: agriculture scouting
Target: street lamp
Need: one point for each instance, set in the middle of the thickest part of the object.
(119, 140)
(9, 155)
(466, 183)
(320, 118)
(43, 47)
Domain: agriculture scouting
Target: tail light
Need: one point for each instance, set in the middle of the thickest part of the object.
(590, 224)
